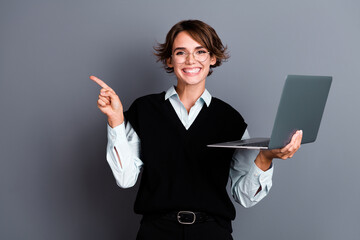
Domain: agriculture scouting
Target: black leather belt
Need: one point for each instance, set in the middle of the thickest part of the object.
(188, 217)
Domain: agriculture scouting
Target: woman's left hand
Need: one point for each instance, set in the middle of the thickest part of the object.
(288, 151)
(265, 157)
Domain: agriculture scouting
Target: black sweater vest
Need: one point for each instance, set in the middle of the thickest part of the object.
(179, 171)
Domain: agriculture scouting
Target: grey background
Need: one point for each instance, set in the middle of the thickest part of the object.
(54, 179)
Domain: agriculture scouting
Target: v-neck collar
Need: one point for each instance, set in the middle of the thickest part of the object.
(187, 119)
(177, 121)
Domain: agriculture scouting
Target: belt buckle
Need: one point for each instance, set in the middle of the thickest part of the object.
(186, 212)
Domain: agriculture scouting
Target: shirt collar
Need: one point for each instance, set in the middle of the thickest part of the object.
(206, 96)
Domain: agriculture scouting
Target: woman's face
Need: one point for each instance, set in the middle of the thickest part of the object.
(191, 71)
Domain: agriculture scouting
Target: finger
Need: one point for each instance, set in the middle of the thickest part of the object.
(286, 148)
(290, 146)
(104, 96)
(288, 155)
(296, 145)
(104, 99)
(300, 138)
(101, 103)
(106, 92)
(100, 82)
(297, 142)
(109, 93)
(295, 137)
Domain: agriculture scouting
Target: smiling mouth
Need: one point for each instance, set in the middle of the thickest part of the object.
(191, 70)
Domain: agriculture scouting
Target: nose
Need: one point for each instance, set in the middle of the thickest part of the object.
(190, 59)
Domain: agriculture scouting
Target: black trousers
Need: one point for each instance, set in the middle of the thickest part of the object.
(165, 229)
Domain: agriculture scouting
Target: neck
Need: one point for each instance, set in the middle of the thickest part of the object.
(189, 94)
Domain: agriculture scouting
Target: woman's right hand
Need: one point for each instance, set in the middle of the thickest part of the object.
(109, 103)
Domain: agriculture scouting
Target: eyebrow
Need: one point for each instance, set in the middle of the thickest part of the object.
(182, 48)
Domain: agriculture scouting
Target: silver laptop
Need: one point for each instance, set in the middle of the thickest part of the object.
(301, 107)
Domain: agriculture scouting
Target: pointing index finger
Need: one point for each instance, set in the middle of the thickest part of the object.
(100, 82)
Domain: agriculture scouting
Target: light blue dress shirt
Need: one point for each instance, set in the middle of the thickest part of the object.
(124, 146)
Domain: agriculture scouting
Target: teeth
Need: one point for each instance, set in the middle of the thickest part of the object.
(194, 70)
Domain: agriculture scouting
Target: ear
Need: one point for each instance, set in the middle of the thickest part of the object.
(168, 63)
(212, 60)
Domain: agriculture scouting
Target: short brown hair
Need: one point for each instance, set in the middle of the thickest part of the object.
(200, 32)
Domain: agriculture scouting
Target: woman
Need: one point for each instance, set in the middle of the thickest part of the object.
(182, 192)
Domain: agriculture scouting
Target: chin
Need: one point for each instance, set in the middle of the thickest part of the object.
(192, 81)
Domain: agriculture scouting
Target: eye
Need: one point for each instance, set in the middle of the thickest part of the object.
(180, 53)
(201, 52)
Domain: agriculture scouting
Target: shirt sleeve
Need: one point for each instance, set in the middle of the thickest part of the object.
(247, 178)
(123, 154)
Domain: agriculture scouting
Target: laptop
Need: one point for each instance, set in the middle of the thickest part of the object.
(301, 107)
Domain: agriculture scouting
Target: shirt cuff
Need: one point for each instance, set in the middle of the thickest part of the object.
(262, 178)
(116, 134)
